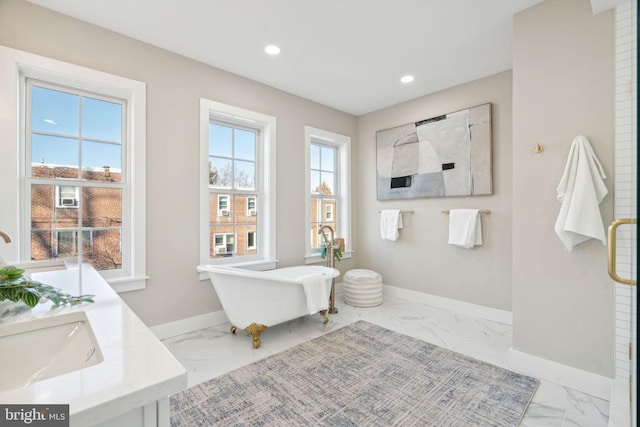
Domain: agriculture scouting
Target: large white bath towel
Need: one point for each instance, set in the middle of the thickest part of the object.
(390, 223)
(315, 289)
(465, 228)
(580, 191)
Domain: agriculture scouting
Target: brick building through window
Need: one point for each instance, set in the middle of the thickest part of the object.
(60, 212)
(233, 220)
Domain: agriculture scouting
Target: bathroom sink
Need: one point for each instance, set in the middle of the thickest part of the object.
(43, 348)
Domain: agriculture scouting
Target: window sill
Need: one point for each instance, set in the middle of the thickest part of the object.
(317, 258)
(261, 265)
(119, 284)
(127, 284)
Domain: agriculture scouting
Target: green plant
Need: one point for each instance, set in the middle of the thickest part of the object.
(15, 287)
(337, 253)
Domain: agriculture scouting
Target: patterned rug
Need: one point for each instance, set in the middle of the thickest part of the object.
(359, 375)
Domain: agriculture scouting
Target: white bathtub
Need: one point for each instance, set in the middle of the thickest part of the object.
(256, 300)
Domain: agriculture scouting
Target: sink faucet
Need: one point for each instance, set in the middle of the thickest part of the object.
(329, 243)
(5, 236)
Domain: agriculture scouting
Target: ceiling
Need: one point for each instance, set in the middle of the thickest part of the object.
(347, 54)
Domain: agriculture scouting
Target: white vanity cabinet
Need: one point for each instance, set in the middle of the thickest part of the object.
(129, 387)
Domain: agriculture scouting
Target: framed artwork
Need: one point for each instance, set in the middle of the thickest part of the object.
(448, 155)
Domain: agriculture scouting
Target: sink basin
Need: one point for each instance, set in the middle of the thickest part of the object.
(44, 348)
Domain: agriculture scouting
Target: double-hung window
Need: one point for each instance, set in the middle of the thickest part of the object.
(74, 176)
(324, 193)
(232, 169)
(328, 188)
(79, 175)
(237, 176)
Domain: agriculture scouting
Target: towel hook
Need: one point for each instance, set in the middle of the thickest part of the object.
(538, 148)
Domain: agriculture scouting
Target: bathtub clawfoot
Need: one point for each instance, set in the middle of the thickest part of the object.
(255, 330)
(233, 329)
(323, 314)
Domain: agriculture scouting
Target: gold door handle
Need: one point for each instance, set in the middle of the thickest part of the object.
(611, 241)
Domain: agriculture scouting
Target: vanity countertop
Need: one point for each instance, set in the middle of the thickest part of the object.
(137, 368)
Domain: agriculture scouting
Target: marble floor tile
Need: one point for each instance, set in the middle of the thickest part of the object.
(213, 351)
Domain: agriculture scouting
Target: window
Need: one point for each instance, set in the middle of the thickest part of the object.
(67, 197)
(329, 213)
(251, 206)
(237, 172)
(81, 193)
(224, 244)
(232, 168)
(328, 185)
(74, 135)
(323, 177)
(66, 242)
(223, 205)
(251, 240)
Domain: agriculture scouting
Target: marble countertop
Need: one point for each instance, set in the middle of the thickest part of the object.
(137, 368)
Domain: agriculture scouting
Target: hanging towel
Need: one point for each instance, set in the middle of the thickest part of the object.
(316, 292)
(390, 223)
(580, 191)
(465, 228)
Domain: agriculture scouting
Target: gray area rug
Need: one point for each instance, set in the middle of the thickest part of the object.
(359, 375)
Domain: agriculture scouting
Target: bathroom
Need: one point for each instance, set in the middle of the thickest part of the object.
(561, 305)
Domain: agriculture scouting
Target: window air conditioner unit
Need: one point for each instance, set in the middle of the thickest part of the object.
(224, 212)
(68, 202)
(221, 250)
(252, 212)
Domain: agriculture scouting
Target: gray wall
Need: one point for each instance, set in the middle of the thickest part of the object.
(421, 259)
(174, 86)
(562, 87)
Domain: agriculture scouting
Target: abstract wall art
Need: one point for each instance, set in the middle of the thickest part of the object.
(448, 155)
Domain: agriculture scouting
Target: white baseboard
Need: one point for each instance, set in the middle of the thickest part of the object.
(568, 376)
(190, 324)
(620, 406)
(475, 310)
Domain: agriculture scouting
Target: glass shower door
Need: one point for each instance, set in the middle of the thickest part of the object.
(622, 232)
(622, 251)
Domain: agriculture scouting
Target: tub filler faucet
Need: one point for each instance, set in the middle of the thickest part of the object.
(331, 245)
(7, 239)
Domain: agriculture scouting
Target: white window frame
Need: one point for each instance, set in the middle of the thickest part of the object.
(265, 190)
(343, 188)
(228, 209)
(224, 241)
(328, 217)
(59, 197)
(254, 211)
(15, 67)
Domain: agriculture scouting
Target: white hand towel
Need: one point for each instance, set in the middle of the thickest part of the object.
(465, 228)
(390, 223)
(580, 191)
(316, 291)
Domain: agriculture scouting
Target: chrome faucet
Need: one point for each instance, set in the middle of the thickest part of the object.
(5, 236)
(330, 245)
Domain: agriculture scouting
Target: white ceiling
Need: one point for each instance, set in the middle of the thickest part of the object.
(347, 54)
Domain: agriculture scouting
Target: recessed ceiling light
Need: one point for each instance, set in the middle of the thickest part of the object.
(406, 79)
(272, 49)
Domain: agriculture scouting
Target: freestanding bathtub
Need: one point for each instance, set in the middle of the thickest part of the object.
(256, 300)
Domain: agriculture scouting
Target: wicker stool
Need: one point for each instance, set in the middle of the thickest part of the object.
(362, 288)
